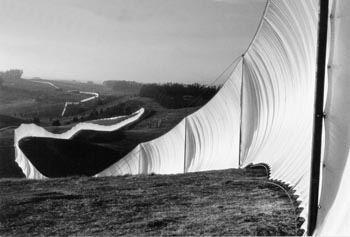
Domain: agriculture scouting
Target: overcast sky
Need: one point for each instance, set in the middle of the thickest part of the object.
(142, 40)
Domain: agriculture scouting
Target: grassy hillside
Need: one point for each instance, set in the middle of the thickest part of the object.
(26, 99)
(6, 121)
(229, 202)
(157, 122)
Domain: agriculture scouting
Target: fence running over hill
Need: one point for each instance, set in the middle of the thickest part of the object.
(48, 83)
(27, 130)
(94, 96)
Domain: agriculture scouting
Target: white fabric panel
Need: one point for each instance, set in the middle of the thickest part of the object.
(334, 215)
(166, 154)
(94, 96)
(129, 164)
(48, 83)
(278, 94)
(163, 155)
(213, 132)
(211, 140)
(23, 162)
(32, 130)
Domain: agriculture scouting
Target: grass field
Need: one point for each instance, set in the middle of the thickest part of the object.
(28, 98)
(228, 202)
(25, 99)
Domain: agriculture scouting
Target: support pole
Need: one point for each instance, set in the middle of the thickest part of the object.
(241, 116)
(318, 116)
(185, 146)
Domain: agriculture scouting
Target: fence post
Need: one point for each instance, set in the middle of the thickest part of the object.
(318, 116)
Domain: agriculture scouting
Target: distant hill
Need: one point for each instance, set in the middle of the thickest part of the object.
(124, 87)
(27, 99)
(6, 121)
(176, 95)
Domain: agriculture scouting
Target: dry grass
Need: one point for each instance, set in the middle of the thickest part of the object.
(229, 202)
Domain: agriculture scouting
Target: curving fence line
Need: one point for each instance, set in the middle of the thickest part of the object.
(48, 83)
(94, 96)
(32, 130)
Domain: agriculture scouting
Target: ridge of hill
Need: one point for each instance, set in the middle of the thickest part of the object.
(9, 121)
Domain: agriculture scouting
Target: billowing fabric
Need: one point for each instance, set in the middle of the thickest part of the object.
(279, 71)
(163, 155)
(32, 130)
(166, 154)
(128, 165)
(334, 213)
(213, 132)
(206, 140)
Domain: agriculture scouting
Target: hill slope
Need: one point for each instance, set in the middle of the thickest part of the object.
(228, 202)
(7, 121)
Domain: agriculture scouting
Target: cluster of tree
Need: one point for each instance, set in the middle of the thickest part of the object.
(12, 74)
(124, 108)
(175, 95)
(125, 87)
(56, 122)
(36, 120)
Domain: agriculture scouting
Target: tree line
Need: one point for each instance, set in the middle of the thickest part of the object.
(8, 75)
(176, 95)
(124, 87)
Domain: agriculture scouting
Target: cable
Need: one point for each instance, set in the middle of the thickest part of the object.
(259, 27)
(291, 201)
(215, 80)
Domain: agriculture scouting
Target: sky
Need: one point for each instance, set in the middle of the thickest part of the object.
(185, 41)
